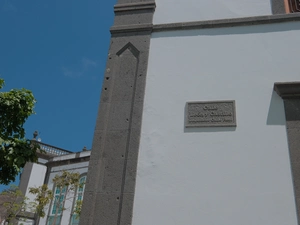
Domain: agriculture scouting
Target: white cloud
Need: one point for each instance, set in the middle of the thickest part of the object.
(69, 73)
(86, 64)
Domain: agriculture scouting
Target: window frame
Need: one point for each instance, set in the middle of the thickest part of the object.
(58, 194)
(79, 191)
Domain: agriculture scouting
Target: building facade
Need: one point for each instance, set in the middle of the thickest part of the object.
(51, 162)
(235, 165)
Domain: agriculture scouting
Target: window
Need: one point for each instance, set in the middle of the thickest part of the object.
(51, 220)
(79, 197)
(57, 206)
(292, 6)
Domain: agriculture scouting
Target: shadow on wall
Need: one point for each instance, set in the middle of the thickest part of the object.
(276, 115)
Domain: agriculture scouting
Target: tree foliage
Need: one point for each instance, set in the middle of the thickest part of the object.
(77, 208)
(15, 107)
(42, 199)
(12, 205)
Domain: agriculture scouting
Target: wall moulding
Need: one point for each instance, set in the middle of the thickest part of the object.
(246, 21)
(133, 17)
(131, 29)
(288, 89)
(134, 6)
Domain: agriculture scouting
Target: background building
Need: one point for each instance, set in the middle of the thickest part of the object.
(50, 163)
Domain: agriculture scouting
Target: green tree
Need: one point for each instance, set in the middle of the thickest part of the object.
(12, 205)
(42, 199)
(66, 185)
(15, 107)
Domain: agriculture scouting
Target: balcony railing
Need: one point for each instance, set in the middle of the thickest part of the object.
(52, 149)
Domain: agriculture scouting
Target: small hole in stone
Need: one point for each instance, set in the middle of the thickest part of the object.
(118, 198)
(127, 120)
(140, 75)
(122, 156)
(105, 89)
(109, 57)
(107, 78)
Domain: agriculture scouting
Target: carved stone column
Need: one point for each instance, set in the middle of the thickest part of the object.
(110, 185)
(290, 93)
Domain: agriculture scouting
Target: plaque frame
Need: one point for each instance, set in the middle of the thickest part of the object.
(206, 124)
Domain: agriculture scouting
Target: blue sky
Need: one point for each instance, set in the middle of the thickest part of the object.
(58, 50)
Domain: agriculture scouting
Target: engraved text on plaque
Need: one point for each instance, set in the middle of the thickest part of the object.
(210, 114)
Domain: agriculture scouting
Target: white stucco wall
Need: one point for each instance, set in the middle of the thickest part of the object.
(171, 11)
(227, 176)
(36, 179)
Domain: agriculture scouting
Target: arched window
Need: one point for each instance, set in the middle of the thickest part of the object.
(78, 200)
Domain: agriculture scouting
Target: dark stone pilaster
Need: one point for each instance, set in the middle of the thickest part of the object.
(278, 6)
(290, 92)
(110, 185)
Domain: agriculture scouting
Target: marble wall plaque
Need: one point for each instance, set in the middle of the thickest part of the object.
(210, 114)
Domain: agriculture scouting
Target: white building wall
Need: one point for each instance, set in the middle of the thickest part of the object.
(227, 176)
(171, 11)
(37, 178)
